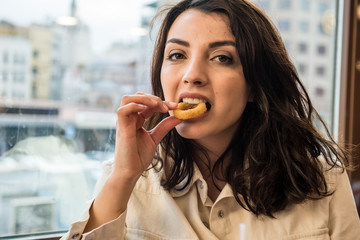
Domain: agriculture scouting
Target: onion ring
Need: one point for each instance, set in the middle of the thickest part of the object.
(186, 110)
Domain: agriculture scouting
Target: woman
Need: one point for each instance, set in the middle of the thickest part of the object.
(254, 158)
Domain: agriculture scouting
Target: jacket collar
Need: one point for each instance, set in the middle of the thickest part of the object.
(197, 179)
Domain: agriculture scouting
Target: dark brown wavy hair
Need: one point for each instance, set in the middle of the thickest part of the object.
(276, 151)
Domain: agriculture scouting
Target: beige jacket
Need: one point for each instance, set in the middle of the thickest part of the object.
(189, 214)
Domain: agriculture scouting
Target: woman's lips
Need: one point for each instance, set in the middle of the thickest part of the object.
(192, 95)
(194, 98)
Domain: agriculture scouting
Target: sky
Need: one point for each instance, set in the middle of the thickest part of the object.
(108, 20)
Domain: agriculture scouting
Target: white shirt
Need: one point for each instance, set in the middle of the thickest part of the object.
(154, 213)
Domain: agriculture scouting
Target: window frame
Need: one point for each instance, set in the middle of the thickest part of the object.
(51, 235)
(348, 113)
(345, 113)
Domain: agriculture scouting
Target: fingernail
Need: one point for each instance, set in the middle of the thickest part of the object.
(171, 104)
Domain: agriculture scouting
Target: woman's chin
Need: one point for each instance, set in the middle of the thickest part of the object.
(189, 131)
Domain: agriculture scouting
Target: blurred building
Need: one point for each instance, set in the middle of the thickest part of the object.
(124, 68)
(70, 50)
(149, 26)
(41, 38)
(308, 30)
(146, 46)
(15, 62)
(75, 53)
(55, 47)
(104, 81)
(9, 29)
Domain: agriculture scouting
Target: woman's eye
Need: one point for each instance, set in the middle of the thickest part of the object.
(175, 56)
(223, 59)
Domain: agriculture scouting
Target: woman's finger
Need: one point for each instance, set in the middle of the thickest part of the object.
(154, 103)
(150, 111)
(125, 111)
(148, 100)
(159, 132)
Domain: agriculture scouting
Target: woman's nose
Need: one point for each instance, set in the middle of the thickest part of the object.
(195, 73)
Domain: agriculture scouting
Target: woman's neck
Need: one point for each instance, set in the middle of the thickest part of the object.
(215, 178)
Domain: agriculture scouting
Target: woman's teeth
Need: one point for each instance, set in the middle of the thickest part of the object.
(193, 100)
(196, 101)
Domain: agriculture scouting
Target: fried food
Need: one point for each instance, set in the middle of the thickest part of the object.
(187, 111)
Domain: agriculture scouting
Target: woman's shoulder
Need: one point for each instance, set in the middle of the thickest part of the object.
(334, 173)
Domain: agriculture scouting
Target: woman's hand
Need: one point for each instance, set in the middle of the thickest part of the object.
(134, 151)
(135, 147)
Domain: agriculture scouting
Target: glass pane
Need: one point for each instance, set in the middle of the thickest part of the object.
(64, 66)
(308, 29)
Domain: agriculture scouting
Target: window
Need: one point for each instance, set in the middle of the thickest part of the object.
(265, 4)
(22, 59)
(35, 54)
(34, 72)
(60, 125)
(304, 26)
(4, 76)
(15, 77)
(319, 91)
(323, 6)
(303, 47)
(302, 68)
(305, 5)
(284, 25)
(321, 50)
(5, 57)
(284, 4)
(15, 59)
(320, 70)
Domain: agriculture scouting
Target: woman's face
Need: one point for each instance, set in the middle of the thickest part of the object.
(201, 62)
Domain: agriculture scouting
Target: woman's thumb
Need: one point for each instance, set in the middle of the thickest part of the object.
(159, 132)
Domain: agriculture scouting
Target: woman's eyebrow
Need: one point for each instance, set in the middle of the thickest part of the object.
(221, 43)
(178, 41)
(211, 45)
